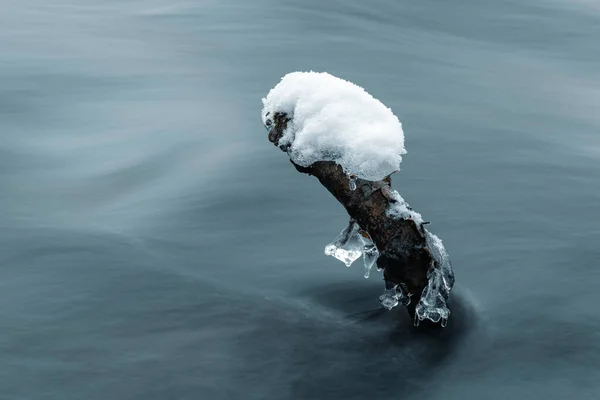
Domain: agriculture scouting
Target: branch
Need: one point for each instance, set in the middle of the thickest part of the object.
(415, 265)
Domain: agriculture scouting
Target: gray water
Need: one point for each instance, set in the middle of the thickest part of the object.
(154, 245)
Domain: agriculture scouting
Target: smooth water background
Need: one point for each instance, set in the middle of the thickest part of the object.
(154, 245)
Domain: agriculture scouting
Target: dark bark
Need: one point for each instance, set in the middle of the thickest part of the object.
(404, 257)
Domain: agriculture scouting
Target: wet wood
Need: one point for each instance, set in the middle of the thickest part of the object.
(404, 257)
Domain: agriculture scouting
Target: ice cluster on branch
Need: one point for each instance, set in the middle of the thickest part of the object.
(394, 295)
(332, 119)
(432, 305)
(353, 241)
(350, 244)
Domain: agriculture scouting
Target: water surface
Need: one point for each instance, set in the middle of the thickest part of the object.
(154, 245)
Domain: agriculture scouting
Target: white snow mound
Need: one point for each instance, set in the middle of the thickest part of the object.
(335, 120)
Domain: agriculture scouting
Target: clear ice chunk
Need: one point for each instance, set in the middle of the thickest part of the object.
(432, 305)
(439, 254)
(394, 296)
(389, 299)
(350, 244)
(347, 246)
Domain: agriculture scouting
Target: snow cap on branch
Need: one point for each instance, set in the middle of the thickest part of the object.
(335, 120)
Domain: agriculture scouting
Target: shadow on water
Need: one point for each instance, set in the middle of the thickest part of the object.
(330, 350)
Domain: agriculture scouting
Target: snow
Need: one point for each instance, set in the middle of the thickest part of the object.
(335, 120)
(401, 210)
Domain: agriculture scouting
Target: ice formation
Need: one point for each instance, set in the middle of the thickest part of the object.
(394, 295)
(370, 252)
(347, 246)
(352, 182)
(335, 120)
(353, 241)
(432, 305)
(350, 244)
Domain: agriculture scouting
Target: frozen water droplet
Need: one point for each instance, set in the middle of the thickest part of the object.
(394, 296)
(352, 180)
(350, 244)
(347, 256)
(444, 322)
(347, 246)
(388, 299)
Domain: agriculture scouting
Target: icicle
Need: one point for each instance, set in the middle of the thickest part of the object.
(370, 252)
(350, 244)
(433, 302)
(432, 305)
(370, 255)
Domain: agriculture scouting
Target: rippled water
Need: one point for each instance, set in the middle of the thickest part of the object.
(154, 245)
